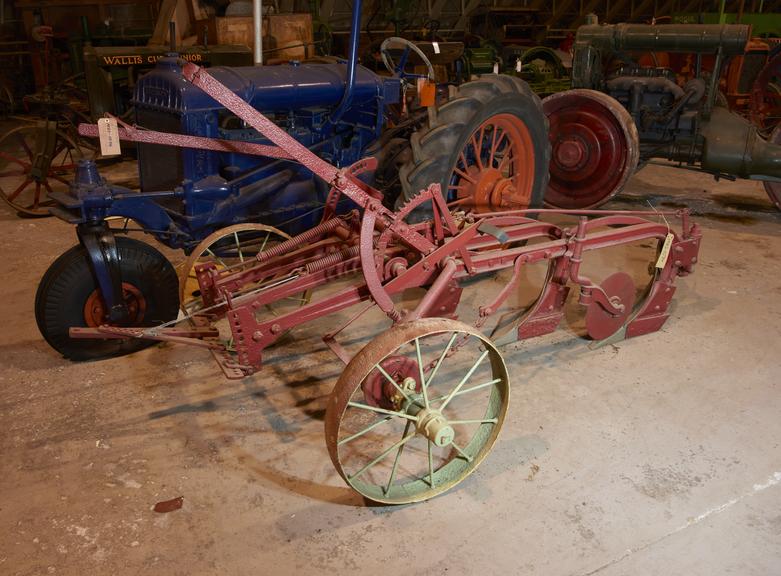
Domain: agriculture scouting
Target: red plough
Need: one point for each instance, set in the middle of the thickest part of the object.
(418, 408)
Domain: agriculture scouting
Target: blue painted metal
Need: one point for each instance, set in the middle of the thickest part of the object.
(336, 110)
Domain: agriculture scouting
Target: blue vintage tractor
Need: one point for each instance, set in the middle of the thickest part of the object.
(486, 145)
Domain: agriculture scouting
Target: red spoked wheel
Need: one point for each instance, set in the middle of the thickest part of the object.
(594, 148)
(766, 96)
(491, 172)
(34, 162)
(486, 147)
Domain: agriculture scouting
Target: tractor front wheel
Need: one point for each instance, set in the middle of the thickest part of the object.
(68, 296)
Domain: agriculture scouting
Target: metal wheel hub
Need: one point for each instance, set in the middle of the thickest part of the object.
(379, 392)
(95, 313)
(490, 189)
(571, 153)
(435, 427)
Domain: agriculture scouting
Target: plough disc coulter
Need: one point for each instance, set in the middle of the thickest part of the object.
(419, 407)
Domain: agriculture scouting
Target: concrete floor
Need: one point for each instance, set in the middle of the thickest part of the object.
(659, 455)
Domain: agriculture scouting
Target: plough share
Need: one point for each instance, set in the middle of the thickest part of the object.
(393, 427)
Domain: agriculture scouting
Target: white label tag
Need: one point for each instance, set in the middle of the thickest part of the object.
(518, 65)
(665, 253)
(496, 67)
(436, 47)
(109, 137)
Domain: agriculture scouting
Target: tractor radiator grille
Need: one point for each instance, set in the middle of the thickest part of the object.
(160, 167)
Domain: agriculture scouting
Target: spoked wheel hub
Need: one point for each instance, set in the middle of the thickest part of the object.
(490, 189)
(95, 313)
(434, 427)
(494, 169)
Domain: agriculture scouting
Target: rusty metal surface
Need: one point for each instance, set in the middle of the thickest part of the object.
(388, 255)
(377, 254)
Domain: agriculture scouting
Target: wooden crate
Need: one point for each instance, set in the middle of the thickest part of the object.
(285, 36)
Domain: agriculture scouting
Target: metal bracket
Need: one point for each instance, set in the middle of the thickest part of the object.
(99, 242)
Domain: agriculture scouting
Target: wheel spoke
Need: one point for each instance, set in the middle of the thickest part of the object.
(430, 465)
(464, 175)
(396, 460)
(213, 255)
(471, 389)
(263, 246)
(392, 381)
(8, 173)
(23, 144)
(483, 421)
(423, 385)
(382, 410)
(366, 430)
(464, 380)
(442, 357)
(461, 453)
(22, 163)
(19, 190)
(238, 246)
(493, 148)
(477, 152)
(379, 458)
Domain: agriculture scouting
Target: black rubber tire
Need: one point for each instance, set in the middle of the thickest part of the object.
(66, 285)
(436, 147)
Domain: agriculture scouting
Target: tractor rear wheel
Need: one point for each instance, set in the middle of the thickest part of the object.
(487, 148)
(773, 189)
(595, 148)
(68, 296)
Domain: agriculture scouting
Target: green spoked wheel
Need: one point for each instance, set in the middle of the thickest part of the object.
(417, 410)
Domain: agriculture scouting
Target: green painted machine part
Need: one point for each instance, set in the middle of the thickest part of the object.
(540, 67)
(763, 25)
(482, 60)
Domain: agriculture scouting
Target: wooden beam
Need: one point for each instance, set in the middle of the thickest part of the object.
(326, 10)
(615, 10)
(639, 9)
(462, 20)
(561, 8)
(161, 26)
(436, 9)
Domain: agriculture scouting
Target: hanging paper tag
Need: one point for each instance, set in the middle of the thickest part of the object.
(109, 137)
(518, 65)
(496, 67)
(436, 47)
(665, 253)
(428, 94)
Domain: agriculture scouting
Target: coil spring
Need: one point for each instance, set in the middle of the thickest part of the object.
(332, 259)
(296, 241)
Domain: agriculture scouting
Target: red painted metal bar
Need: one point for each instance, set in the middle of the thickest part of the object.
(132, 134)
(328, 172)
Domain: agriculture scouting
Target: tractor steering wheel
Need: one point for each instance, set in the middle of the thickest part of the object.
(397, 69)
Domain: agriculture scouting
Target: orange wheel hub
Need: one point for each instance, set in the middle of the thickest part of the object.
(495, 169)
(95, 308)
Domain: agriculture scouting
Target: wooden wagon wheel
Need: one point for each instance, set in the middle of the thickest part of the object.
(36, 161)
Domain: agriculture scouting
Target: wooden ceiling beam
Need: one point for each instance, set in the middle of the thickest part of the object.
(561, 8)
